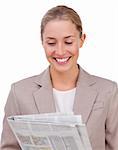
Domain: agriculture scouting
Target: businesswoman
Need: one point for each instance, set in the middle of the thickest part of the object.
(64, 86)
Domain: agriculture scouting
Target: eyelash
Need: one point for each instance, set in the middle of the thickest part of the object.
(51, 44)
(68, 43)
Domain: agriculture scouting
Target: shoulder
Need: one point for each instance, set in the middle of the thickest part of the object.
(103, 81)
(103, 84)
(99, 83)
(29, 82)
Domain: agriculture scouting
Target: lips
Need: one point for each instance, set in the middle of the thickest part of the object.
(62, 60)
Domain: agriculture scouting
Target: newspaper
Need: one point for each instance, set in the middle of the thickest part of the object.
(50, 132)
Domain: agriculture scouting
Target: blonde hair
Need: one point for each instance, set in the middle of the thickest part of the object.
(61, 12)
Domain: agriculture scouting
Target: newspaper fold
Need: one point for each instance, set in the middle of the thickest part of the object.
(50, 132)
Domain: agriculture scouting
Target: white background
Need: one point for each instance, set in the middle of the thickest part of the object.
(21, 53)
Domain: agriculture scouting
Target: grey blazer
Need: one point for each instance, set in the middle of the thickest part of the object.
(96, 100)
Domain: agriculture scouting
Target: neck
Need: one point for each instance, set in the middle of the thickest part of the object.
(64, 80)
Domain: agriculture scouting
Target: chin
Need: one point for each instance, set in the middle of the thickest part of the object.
(62, 69)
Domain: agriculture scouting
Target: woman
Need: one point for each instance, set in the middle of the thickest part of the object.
(64, 86)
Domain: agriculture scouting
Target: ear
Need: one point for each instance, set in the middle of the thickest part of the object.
(82, 39)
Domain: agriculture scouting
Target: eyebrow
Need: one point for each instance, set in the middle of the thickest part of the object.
(69, 36)
(52, 38)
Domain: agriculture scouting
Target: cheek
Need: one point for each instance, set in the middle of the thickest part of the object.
(75, 51)
(49, 54)
(48, 51)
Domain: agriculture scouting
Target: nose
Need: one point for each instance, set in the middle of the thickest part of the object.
(60, 50)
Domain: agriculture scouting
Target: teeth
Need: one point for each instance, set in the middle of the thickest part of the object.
(62, 59)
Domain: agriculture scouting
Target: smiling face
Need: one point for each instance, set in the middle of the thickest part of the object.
(61, 42)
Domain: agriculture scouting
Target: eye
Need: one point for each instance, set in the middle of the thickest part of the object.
(69, 43)
(51, 43)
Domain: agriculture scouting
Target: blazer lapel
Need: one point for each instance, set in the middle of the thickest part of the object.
(44, 95)
(84, 98)
(85, 95)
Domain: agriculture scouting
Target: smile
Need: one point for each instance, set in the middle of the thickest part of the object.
(62, 60)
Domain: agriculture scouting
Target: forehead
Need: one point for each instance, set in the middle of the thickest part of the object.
(60, 28)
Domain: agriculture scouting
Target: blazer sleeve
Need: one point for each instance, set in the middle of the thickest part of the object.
(112, 121)
(8, 140)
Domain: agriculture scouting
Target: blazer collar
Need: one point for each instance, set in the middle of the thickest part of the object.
(84, 97)
(44, 79)
(44, 95)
